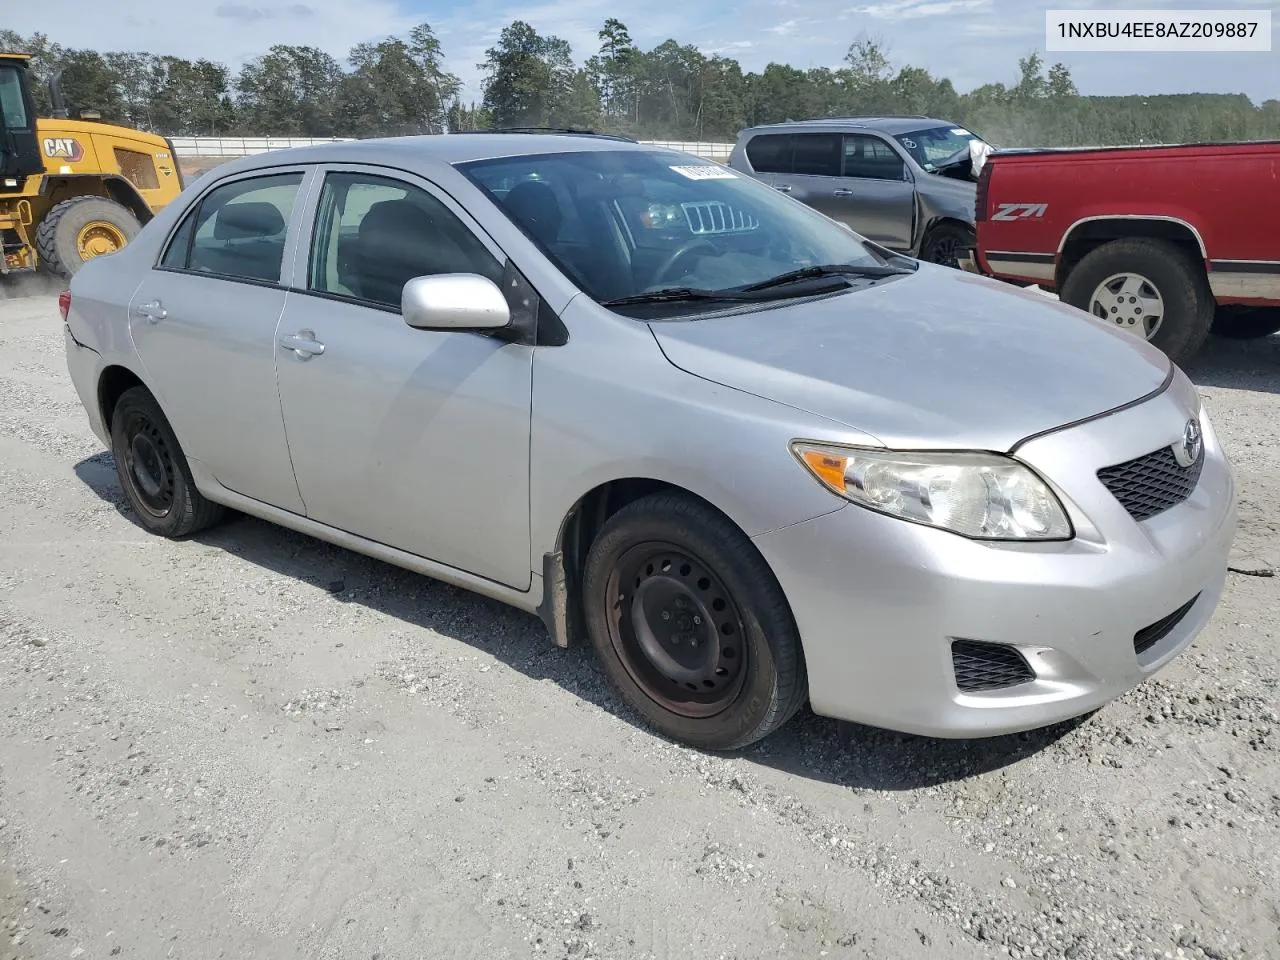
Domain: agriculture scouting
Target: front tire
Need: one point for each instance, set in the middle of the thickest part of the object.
(80, 229)
(1152, 289)
(153, 470)
(946, 242)
(691, 625)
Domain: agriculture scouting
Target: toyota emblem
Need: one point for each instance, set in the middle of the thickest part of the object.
(1188, 451)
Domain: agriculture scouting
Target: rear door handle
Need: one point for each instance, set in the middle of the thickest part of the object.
(152, 311)
(303, 343)
(783, 187)
(842, 192)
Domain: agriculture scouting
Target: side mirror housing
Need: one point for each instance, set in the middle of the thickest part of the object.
(454, 301)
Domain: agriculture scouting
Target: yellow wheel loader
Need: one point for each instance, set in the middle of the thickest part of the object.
(71, 189)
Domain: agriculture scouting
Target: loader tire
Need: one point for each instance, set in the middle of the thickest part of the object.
(81, 228)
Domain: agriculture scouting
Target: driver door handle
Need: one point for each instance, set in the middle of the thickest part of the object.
(783, 187)
(303, 343)
(153, 311)
(842, 192)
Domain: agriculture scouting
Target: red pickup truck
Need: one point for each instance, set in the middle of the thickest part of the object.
(1168, 242)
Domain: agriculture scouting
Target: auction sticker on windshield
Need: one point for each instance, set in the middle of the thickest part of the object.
(706, 171)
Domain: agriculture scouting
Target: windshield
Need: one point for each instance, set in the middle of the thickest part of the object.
(628, 222)
(931, 146)
(13, 111)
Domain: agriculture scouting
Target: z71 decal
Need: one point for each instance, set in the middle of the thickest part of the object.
(1019, 211)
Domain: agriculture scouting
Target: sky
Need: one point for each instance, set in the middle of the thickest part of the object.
(971, 41)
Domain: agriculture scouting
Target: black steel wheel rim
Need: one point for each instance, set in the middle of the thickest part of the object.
(148, 465)
(676, 629)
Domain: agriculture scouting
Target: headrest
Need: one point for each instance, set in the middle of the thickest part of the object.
(237, 221)
(394, 229)
(534, 205)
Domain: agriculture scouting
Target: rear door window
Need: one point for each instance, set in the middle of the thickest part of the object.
(817, 154)
(237, 230)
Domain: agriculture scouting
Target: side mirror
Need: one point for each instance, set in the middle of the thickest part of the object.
(454, 301)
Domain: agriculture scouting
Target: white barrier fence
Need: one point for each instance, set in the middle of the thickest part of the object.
(244, 146)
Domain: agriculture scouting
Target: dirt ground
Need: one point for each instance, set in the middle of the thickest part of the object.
(251, 744)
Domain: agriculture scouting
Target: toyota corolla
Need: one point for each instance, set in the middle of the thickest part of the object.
(752, 458)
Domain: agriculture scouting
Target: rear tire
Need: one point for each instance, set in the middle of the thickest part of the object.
(691, 624)
(1246, 323)
(1177, 279)
(944, 243)
(72, 230)
(153, 470)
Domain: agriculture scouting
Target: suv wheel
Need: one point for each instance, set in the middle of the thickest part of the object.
(945, 243)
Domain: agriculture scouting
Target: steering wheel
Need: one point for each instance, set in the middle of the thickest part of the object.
(678, 254)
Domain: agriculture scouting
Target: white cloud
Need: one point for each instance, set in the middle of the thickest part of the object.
(919, 9)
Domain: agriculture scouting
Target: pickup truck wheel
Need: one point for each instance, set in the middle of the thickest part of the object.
(945, 243)
(1246, 323)
(691, 625)
(1149, 288)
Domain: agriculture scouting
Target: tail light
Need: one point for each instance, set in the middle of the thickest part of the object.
(984, 184)
(64, 304)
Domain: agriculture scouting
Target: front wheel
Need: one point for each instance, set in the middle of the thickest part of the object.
(1151, 289)
(946, 243)
(691, 625)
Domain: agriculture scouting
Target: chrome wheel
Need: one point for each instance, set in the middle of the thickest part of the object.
(1131, 302)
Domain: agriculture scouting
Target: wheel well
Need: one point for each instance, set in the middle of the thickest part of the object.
(111, 385)
(1090, 235)
(561, 609)
(94, 185)
(947, 222)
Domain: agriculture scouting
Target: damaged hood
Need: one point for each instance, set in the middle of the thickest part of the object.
(938, 359)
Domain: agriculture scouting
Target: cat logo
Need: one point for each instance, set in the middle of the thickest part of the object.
(63, 148)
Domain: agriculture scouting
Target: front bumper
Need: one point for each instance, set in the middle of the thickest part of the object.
(879, 601)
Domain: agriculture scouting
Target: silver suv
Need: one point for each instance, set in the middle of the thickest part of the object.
(908, 183)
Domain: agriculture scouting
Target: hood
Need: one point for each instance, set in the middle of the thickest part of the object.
(940, 359)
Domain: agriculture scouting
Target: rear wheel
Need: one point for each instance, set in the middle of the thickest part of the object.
(1246, 323)
(1151, 289)
(79, 229)
(945, 243)
(153, 470)
(691, 625)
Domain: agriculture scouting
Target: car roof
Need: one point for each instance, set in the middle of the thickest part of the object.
(439, 148)
(892, 125)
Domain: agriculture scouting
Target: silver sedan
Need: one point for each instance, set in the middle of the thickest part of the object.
(752, 458)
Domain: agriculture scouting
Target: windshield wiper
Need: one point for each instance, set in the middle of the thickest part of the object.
(676, 295)
(825, 270)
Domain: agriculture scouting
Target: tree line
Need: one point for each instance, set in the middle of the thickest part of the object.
(400, 85)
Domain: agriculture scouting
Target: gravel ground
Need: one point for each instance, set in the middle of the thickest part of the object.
(252, 744)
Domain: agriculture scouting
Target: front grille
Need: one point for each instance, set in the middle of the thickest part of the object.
(988, 666)
(1148, 485)
(1149, 636)
(713, 217)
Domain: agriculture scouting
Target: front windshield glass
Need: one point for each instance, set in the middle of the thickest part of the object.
(931, 146)
(629, 222)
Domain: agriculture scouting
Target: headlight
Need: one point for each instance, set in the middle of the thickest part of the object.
(979, 495)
